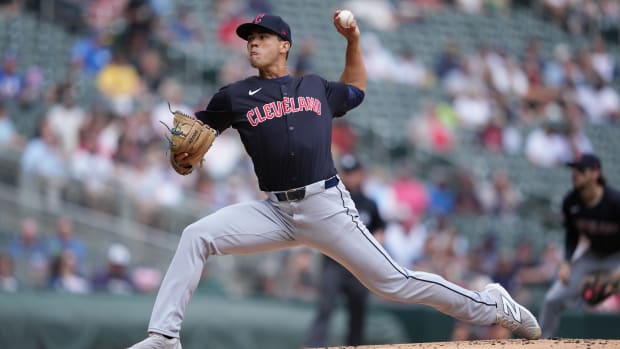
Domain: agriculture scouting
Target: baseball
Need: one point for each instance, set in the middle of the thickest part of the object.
(346, 18)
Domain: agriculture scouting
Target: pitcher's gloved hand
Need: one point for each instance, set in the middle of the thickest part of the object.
(189, 140)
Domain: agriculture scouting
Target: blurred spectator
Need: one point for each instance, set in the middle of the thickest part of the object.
(603, 62)
(151, 185)
(429, 132)
(226, 34)
(380, 62)
(30, 255)
(110, 133)
(444, 251)
(226, 8)
(512, 140)
(222, 159)
(93, 170)
(463, 81)
(11, 81)
(545, 271)
(610, 21)
(485, 257)
(185, 27)
(138, 33)
(411, 71)
(104, 14)
(43, 167)
(299, 281)
(449, 59)
(467, 200)
(172, 95)
(305, 57)
(410, 193)
(344, 137)
(65, 118)
(441, 196)
(147, 279)
(234, 68)
(115, 277)
(471, 6)
(492, 135)
(33, 82)
(10, 8)
(151, 69)
(119, 83)
(600, 100)
(259, 6)
(9, 137)
(546, 147)
(64, 276)
(405, 238)
(65, 240)
(473, 109)
(379, 14)
(507, 77)
(556, 71)
(500, 197)
(91, 53)
(8, 281)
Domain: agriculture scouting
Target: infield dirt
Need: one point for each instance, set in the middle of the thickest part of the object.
(505, 343)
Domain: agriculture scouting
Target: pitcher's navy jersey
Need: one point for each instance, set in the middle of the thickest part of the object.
(285, 125)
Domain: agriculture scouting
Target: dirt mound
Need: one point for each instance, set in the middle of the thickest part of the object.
(506, 343)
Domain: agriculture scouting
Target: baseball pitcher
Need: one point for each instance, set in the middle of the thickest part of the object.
(285, 125)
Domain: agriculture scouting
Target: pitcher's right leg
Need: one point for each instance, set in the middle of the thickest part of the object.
(238, 229)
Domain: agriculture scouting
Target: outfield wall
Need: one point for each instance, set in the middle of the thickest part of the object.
(51, 320)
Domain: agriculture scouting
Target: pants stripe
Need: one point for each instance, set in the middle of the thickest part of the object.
(403, 273)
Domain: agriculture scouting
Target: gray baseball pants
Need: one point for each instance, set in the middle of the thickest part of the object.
(560, 295)
(326, 220)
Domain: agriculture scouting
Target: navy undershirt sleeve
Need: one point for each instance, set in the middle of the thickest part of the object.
(355, 97)
(218, 113)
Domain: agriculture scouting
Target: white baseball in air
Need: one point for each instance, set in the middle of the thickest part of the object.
(346, 18)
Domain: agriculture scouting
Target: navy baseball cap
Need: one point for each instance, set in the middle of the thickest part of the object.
(349, 163)
(272, 23)
(590, 161)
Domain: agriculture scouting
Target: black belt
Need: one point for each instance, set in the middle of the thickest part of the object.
(300, 193)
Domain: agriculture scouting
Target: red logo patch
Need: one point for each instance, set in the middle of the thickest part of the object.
(258, 18)
(283, 32)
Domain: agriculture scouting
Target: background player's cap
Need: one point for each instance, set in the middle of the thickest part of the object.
(586, 161)
(271, 23)
(349, 163)
(118, 254)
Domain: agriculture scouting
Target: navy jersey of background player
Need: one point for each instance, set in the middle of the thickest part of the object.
(285, 125)
(368, 211)
(600, 223)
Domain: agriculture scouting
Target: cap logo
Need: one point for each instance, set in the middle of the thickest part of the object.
(283, 32)
(258, 18)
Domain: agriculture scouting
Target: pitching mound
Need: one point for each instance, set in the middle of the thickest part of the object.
(506, 343)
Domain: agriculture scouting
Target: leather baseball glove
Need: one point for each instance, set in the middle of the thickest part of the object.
(191, 136)
(597, 286)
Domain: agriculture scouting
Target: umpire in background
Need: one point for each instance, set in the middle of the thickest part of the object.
(591, 212)
(335, 279)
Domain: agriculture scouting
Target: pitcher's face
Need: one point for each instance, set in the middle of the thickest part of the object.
(265, 49)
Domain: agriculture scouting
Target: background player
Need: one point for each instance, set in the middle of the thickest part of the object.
(591, 213)
(285, 126)
(335, 279)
